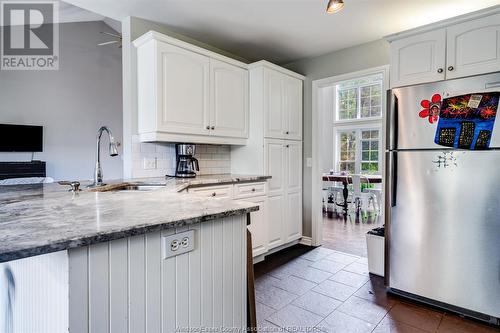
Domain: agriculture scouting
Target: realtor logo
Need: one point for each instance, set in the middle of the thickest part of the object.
(30, 35)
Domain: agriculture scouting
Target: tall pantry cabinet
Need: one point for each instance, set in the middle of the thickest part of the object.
(274, 148)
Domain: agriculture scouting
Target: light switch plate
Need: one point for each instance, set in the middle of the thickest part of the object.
(178, 244)
(309, 162)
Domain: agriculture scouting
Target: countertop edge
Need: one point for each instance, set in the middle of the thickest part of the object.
(106, 237)
(205, 183)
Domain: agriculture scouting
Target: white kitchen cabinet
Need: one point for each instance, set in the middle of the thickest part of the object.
(293, 155)
(189, 94)
(464, 46)
(284, 164)
(293, 216)
(222, 191)
(181, 86)
(282, 104)
(275, 161)
(276, 221)
(258, 225)
(473, 47)
(292, 92)
(229, 100)
(275, 109)
(418, 59)
(259, 220)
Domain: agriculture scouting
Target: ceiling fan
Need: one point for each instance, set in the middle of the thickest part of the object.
(117, 41)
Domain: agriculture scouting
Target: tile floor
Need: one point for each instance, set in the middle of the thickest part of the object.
(348, 235)
(328, 291)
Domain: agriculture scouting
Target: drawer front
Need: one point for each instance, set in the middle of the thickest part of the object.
(213, 191)
(249, 190)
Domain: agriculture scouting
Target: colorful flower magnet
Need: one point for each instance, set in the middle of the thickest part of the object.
(431, 108)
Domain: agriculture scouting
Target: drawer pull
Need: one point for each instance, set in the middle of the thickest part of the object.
(214, 194)
(253, 190)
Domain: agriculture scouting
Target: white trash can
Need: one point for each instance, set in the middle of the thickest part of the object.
(376, 249)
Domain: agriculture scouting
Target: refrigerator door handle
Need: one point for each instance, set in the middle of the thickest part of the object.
(392, 178)
(491, 85)
(392, 121)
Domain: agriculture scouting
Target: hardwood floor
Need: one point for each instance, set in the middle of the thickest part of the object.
(305, 289)
(348, 235)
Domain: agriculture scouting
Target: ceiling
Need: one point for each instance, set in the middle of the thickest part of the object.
(284, 30)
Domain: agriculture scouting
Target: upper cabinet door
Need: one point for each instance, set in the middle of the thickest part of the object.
(275, 164)
(229, 100)
(292, 93)
(183, 88)
(274, 118)
(473, 47)
(418, 59)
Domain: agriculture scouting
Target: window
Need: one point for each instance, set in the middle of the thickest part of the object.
(360, 98)
(358, 125)
(370, 151)
(347, 151)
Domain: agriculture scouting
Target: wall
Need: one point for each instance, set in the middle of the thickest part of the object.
(348, 60)
(133, 28)
(71, 103)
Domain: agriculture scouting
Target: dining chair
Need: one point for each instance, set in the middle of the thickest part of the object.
(363, 199)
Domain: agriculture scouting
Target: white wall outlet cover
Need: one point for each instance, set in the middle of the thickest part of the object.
(309, 162)
(149, 163)
(177, 244)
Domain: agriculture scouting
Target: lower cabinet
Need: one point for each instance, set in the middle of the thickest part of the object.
(276, 221)
(293, 216)
(258, 226)
(279, 219)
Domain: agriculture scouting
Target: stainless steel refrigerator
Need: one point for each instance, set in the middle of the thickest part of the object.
(442, 206)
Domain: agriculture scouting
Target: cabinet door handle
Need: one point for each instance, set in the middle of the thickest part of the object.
(287, 132)
(208, 127)
(288, 146)
(440, 70)
(450, 68)
(212, 128)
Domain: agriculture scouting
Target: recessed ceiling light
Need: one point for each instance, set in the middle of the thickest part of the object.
(334, 6)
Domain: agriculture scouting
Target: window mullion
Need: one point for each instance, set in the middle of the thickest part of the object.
(357, 164)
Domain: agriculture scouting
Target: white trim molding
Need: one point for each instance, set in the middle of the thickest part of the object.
(306, 241)
(317, 146)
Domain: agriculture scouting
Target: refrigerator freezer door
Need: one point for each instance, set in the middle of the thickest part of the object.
(444, 227)
(414, 132)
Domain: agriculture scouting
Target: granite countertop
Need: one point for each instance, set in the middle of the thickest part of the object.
(37, 219)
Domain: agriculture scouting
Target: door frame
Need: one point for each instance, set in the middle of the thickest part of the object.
(317, 146)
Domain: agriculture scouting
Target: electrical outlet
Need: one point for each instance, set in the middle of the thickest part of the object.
(176, 244)
(149, 163)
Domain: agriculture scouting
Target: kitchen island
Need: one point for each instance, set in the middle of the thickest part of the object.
(120, 270)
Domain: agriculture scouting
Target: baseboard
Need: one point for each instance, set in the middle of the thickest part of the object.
(306, 241)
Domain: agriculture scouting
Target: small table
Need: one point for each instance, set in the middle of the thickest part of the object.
(346, 180)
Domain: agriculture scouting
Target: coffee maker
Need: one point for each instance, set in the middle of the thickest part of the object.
(187, 165)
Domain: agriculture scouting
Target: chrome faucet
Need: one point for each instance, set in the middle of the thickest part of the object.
(113, 151)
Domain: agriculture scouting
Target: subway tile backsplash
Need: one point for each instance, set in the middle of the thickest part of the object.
(213, 159)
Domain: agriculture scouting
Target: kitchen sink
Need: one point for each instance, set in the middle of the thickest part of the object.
(141, 187)
(127, 187)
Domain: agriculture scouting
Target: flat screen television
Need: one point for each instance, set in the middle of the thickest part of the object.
(21, 138)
